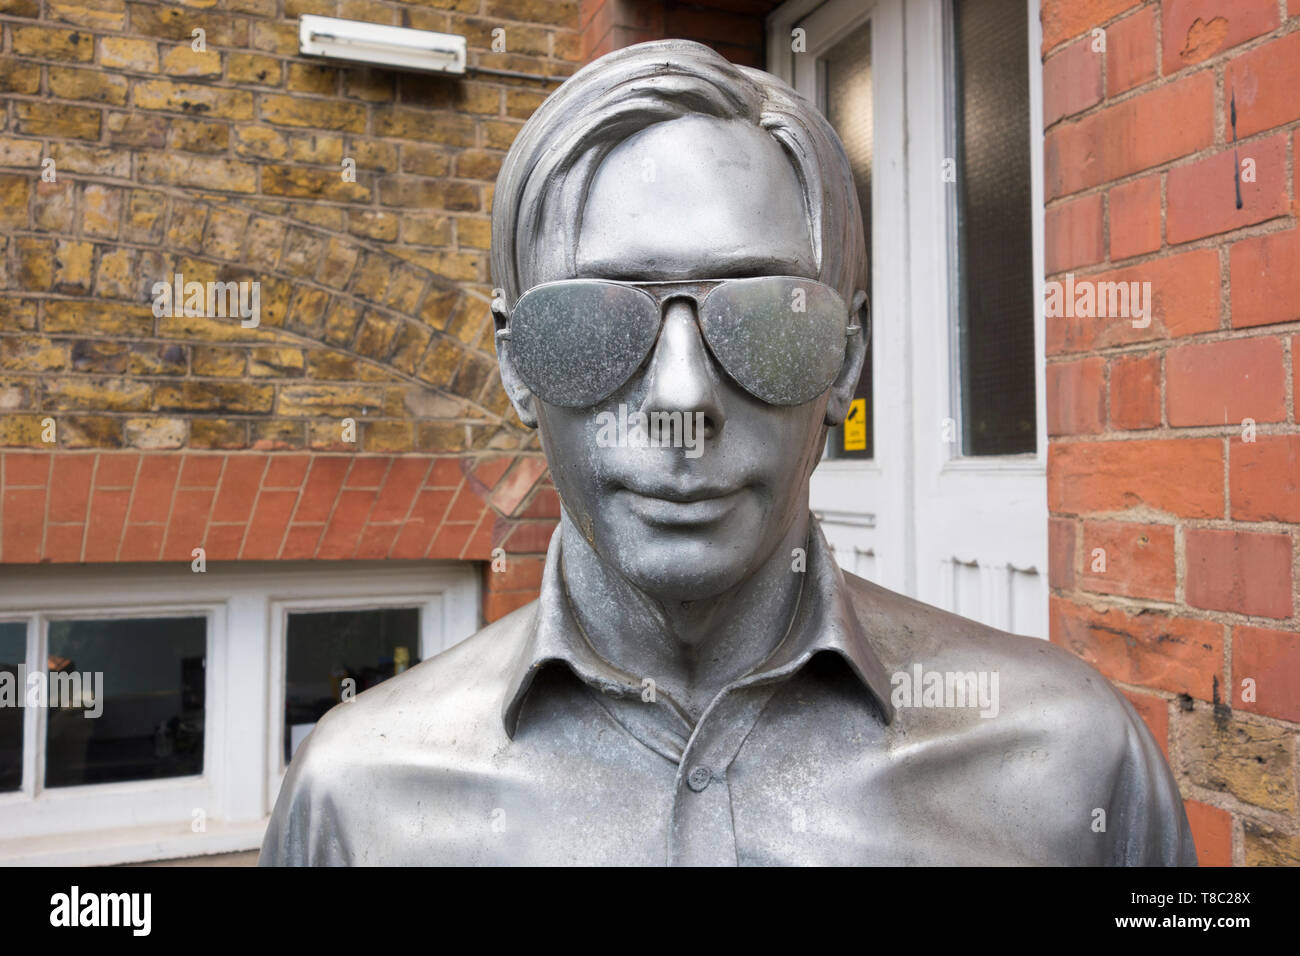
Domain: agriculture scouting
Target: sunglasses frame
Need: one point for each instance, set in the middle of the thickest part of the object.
(665, 291)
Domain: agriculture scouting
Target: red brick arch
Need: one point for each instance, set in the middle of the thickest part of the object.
(70, 507)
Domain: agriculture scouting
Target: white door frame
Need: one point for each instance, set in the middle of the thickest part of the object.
(864, 505)
(968, 534)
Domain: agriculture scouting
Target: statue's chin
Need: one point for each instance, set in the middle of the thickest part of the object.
(672, 572)
(683, 588)
(669, 553)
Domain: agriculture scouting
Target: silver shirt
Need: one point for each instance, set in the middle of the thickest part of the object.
(522, 746)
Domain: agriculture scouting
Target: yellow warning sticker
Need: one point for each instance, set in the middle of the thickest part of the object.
(855, 426)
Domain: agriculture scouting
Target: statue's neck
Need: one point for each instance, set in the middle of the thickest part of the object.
(690, 649)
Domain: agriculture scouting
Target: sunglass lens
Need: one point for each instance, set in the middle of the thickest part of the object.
(574, 343)
(781, 338)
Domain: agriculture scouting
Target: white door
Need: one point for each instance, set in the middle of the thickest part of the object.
(945, 497)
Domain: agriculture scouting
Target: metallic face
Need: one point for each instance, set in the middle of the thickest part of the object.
(690, 199)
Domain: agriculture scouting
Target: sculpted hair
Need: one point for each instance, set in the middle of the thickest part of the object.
(538, 204)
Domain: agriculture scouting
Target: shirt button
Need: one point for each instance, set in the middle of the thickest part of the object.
(698, 779)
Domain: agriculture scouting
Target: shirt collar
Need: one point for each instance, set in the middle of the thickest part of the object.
(824, 620)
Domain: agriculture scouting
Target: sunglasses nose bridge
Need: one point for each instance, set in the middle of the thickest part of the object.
(681, 378)
(687, 297)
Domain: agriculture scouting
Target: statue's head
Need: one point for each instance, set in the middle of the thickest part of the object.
(680, 260)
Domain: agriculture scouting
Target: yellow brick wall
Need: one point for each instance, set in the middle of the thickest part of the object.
(226, 165)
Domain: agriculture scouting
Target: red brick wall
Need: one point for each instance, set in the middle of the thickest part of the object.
(1152, 465)
(126, 506)
(734, 28)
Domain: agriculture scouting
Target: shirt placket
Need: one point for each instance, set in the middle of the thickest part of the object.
(702, 830)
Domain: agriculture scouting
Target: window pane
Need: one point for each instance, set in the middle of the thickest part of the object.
(150, 674)
(13, 653)
(995, 275)
(849, 109)
(326, 648)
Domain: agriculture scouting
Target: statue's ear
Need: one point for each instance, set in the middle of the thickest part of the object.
(855, 352)
(521, 397)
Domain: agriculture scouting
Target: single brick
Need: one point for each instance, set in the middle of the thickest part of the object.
(1136, 560)
(1264, 477)
(1135, 391)
(1089, 476)
(1264, 273)
(1202, 196)
(1195, 30)
(1074, 234)
(1131, 51)
(1266, 672)
(1134, 210)
(1076, 397)
(1211, 832)
(1252, 762)
(1239, 571)
(1071, 81)
(1223, 383)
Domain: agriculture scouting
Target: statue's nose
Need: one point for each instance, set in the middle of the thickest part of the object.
(681, 375)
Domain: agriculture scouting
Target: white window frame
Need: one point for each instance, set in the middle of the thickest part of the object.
(928, 97)
(246, 606)
(433, 639)
(937, 139)
(89, 807)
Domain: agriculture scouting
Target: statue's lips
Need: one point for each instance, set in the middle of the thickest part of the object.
(676, 506)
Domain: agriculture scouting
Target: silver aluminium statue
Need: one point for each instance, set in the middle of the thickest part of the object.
(682, 262)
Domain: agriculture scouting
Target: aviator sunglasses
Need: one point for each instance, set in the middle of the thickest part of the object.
(575, 342)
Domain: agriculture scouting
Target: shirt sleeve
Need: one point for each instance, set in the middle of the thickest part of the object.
(302, 830)
(1147, 813)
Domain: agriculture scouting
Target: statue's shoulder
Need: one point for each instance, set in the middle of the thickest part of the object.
(1039, 716)
(443, 712)
(449, 699)
(1034, 676)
